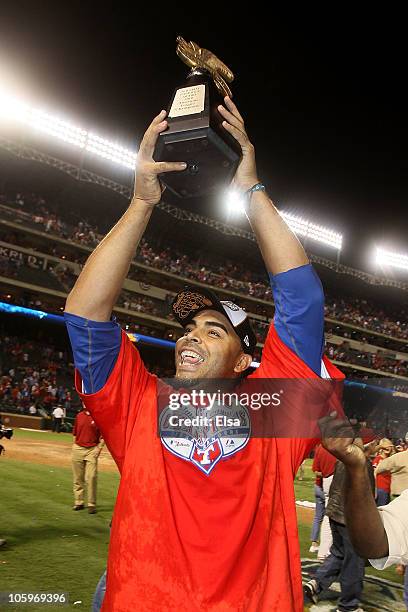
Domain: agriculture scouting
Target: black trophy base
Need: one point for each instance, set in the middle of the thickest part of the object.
(199, 139)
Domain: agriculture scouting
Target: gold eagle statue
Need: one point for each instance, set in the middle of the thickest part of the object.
(197, 57)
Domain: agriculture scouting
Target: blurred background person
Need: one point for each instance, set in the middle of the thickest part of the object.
(86, 449)
(343, 564)
(397, 466)
(323, 466)
(58, 415)
(377, 534)
(383, 479)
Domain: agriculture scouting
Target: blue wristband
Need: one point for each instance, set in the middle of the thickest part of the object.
(248, 194)
(256, 187)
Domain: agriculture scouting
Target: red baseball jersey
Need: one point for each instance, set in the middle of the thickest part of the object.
(324, 462)
(219, 539)
(85, 430)
(383, 480)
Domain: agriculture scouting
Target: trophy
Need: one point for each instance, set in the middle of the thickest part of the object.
(195, 134)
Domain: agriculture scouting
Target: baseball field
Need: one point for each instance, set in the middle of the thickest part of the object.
(51, 549)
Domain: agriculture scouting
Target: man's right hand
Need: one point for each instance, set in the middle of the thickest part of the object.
(147, 183)
(338, 438)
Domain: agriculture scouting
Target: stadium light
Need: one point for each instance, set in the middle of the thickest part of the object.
(15, 110)
(394, 260)
(319, 233)
(299, 225)
(40, 120)
(12, 109)
(114, 152)
(235, 204)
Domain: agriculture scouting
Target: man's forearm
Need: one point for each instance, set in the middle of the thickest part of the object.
(100, 282)
(363, 520)
(385, 465)
(280, 248)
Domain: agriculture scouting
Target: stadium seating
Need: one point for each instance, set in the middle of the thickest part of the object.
(49, 248)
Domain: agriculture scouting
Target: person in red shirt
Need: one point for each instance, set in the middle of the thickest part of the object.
(383, 481)
(86, 449)
(205, 520)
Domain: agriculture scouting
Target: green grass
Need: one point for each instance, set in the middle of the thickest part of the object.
(304, 489)
(46, 436)
(53, 549)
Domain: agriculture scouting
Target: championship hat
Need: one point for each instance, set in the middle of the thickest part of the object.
(192, 300)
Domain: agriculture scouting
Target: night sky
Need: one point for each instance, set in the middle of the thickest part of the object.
(324, 98)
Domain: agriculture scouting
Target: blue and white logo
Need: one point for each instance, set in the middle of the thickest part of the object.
(205, 437)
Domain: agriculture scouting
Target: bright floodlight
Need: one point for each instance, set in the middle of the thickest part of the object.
(14, 110)
(394, 260)
(235, 204)
(114, 152)
(303, 227)
(44, 122)
(299, 225)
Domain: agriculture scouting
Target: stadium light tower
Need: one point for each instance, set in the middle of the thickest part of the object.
(235, 205)
(13, 110)
(391, 259)
(302, 227)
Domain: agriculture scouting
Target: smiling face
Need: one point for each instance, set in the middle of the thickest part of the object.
(210, 348)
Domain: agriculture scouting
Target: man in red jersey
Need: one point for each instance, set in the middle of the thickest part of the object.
(86, 449)
(383, 481)
(204, 524)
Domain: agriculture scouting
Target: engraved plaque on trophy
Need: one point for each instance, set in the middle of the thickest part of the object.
(195, 133)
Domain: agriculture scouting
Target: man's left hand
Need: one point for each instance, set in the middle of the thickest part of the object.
(338, 438)
(246, 175)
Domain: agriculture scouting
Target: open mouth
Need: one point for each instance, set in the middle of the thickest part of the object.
(190, 357)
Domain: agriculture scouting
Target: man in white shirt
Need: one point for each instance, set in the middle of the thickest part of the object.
(377, 534)
(394, 517)
(397, 464)
(58, 414)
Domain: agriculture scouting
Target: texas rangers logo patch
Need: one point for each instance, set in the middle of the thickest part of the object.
(204, 437)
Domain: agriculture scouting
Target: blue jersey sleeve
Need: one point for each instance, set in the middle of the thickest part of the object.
(299, 313)
(95, 346)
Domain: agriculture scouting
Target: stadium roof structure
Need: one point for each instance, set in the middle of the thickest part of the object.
(105, 186)
(34, 133)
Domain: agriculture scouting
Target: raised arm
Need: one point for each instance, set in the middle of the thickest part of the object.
(364, 524)
(100, 282)
(386, 465)
(280, 248)
(297, 290)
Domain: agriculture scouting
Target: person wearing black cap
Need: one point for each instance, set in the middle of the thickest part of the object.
(203, 521)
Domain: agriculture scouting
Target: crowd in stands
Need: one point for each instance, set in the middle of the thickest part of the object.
(225, 275)
(142, 303)
(64, 274)
(9, 267)
(380, 360)
(33, 376)
(229, 275)
(367, 315)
